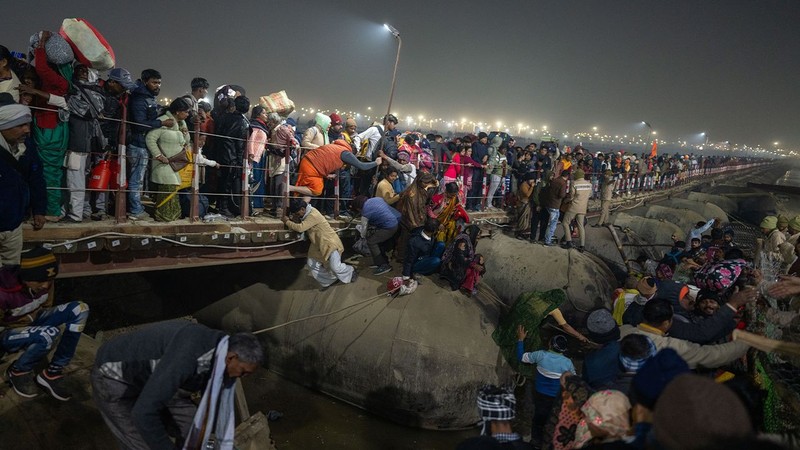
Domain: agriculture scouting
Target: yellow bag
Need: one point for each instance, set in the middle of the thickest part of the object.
(187, 173)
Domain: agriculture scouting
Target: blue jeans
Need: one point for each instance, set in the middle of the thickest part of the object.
(138, 159)
(551, 225)
(38, 338)
(430, 264)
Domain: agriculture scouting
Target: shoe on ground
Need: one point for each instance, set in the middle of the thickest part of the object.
(581, 249)
(100, 215)
(54, 385)
(373, 266)
(68, 219)
(354, 277)
(597, 225)
(382, 269)
(141, 216)
(22, 383)
(551, 244)
(567, 245)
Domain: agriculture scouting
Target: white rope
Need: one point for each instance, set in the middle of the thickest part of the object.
(315, 316)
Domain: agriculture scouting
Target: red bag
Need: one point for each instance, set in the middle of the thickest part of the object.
(100, 176)
(89, 46)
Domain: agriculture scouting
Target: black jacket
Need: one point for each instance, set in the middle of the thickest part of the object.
(418, 247)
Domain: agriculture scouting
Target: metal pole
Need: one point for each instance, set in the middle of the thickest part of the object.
(287, 179)
(194, 212)
(394, 74)
(122, 179)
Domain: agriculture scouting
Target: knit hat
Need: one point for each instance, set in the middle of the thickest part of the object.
(783, 221)
(402, 155)
(578, 175)
(695, 412)
(769, 222)
(335, 119)
(38, 264)
(646, 286)
(12, 114)
(495, 403)
(601, 326)
(350, 122)
(655, 374)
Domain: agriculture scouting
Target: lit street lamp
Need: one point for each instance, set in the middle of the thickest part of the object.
(396, 34)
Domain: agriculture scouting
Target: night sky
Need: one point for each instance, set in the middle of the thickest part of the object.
(729, 68)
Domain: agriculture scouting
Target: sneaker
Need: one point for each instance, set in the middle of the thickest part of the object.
(382, 269)
(373, 266)
(354, 277)
(100, 215)
(141, 216)
(567, 245)
(22, 383)
(53, 385)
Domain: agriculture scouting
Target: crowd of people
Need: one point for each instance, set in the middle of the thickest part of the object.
(661, 363)
(413, 195)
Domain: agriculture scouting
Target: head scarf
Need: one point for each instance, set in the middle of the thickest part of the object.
(632, 364)
(495, 403)
(324, 122)
(12, 114)
(607, 410)
(284, 137)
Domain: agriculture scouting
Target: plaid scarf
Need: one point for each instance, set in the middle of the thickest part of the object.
(495, 403)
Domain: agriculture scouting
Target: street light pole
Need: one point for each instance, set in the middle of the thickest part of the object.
(396, 34)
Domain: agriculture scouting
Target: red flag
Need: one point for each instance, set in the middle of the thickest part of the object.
(654, 150)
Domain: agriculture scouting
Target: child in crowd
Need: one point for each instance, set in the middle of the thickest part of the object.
(550, 365)
(476, 270)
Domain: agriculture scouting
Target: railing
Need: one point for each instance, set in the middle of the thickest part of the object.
(625, 183)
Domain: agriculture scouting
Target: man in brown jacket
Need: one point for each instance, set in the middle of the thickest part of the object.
(579, 192)
(551, 198)
(325, 251)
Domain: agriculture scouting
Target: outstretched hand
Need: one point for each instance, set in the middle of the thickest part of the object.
(787, 285)
(521, 333)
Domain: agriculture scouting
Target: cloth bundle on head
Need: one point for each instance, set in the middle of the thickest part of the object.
(695, 412)
(38, 264)
(646, 286)
(631, 364)
(607, 410)
(655, 374)
(12, 114)
(495, 403)
(769, 222)
(602, 326)
(335, 119)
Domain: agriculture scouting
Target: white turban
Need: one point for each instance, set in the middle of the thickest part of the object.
(13, 115)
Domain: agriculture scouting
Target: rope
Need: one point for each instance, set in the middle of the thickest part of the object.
(315, 316)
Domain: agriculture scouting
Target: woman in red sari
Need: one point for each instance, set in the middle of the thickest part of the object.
(447, 209)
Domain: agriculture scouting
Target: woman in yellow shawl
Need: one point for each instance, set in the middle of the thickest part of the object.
(448, 210)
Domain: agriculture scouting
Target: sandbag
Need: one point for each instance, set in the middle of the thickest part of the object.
(90, 47)
(278, 103)
(57, 49)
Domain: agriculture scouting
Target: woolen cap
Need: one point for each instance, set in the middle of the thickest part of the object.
(695, 412)
(601, 326)
(783, 221)
(38, 264)
(794, 224)
(335, 119)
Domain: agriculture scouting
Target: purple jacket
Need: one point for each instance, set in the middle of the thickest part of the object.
(18, 305)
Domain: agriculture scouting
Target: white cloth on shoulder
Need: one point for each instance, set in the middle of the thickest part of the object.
(216, 408)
